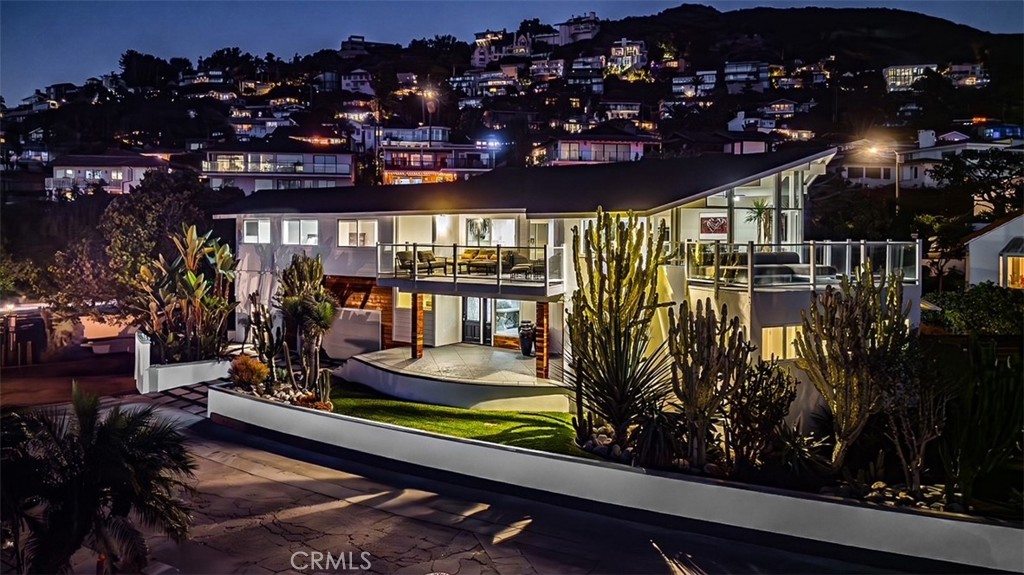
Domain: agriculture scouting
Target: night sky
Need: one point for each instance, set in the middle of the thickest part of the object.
(44, 42)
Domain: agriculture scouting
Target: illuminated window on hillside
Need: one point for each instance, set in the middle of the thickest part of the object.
(778, 341)
(357, 233)
(299, 232)
(256, 231)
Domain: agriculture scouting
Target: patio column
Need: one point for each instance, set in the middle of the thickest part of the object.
(417, 325)
(542, 339)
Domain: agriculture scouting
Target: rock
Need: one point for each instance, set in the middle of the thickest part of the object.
(878, 486)
(844, 491)
(589, 445)
(601, 450)
(955, 508)
(604, 440)
(889, 503)
(615, 452)
(874, 496)
(921, 504)
(938, 506)
(905, 498)
(713, 470)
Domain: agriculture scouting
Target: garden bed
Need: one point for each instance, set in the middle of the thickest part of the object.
(947, 538)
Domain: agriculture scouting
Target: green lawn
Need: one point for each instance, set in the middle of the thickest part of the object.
(543, 431)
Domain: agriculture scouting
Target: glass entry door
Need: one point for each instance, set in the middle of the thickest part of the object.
(476, 320)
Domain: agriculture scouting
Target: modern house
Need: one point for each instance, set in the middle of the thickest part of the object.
(995, 253)
(902, 78)
(740, 77)
(117, 171)
(428, 266)
(283, 164)
(626, 55)
(422, 162)
(603, 144)
(357, 81)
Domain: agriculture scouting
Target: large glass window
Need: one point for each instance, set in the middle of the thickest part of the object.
(404, 301)
(778, 341)
(299, 232)
(357, 233)
(506, 317)
(256, 231)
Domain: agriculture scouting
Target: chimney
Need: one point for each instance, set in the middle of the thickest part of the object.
(925, 138)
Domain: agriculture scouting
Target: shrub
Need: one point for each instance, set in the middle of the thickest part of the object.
(983, 309)
(248, 372)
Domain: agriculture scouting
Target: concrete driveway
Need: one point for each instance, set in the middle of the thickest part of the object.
(258, 511)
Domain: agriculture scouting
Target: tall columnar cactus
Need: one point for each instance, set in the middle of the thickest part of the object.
(309, 307)
(754, 409)
(267, 339)
(710, 354)
(617, 372)
(851, 339)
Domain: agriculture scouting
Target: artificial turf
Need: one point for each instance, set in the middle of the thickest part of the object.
(544, 431)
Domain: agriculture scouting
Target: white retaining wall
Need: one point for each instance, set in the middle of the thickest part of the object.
(150, 378)
(467, 395)
(809, 517)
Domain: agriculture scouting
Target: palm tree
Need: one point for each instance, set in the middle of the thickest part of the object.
(761, 215)
(75, 478)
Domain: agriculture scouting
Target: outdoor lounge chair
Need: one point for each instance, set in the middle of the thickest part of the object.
(404, 260)
(433, 262)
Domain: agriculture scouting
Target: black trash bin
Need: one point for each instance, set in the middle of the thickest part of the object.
(527, 333)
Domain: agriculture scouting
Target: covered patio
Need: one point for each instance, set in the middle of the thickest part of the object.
(460, 375)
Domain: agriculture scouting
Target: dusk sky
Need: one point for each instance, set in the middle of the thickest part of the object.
(43, 42)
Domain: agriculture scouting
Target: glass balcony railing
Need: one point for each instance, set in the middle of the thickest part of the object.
(444, 164)
(587, 156)
(275, 168)
(799, 265)
(524, 266)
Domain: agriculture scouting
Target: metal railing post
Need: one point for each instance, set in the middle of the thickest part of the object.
(415, 261)
(547, 268)
(750, 269)
(717, 264)
(849, 256)
(497, 268)
(379, 255)
(814, 264)
(455, 263)
(888, 257)
(863, 252)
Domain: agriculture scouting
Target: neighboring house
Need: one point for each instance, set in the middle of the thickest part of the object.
(626, 55)
(275, 165)
(546, 70)
(782, 109)
(357, 81)
(902, 78)
(621, 110)
(603, 144)
(740, 77)
(255, 123)
(587, 74)
(467, 261)
(578, 28)
(995, 253)
(875, 167)
(419, 162)
(967, 75)
(117, 171)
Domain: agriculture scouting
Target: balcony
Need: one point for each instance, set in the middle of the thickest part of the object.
(441, 164)
(587, 156)
(519, 272)
(802, 266)
(274, 168)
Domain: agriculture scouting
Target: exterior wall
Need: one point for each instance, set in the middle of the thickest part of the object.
(983, 251)
(250, 174)
(364, 294)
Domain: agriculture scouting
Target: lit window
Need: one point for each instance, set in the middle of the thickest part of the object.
(116, 175)
(256, 231)
(357, 233)
(404, 301)
(69, 173)
(778, 341)
(299, 232)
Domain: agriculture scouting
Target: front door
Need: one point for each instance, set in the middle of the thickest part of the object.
(476, 320)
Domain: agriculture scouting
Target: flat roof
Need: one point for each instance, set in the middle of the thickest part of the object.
(646, 186)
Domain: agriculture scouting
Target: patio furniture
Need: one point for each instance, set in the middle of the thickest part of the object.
(433, 262)
(486, 262)
(404, 260)
(465, 258)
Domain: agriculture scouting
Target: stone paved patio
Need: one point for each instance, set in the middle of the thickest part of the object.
(467, 363)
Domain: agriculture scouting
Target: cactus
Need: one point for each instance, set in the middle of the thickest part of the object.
(851, 341)
(267, 339)
(709, 355)
(754, 409)
(617, 371)
(323, 386)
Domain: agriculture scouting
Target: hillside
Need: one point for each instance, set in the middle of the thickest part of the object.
(860, 38)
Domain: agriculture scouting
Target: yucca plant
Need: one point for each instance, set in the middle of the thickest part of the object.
(616, 370)
(82, 478)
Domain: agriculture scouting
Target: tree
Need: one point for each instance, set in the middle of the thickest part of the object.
(78, 478)
(944, 235)
(144, 70)
(137, 227)
(983, 309)
(760, 214)
(994, 178)
(849, 340)
(617, 372)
